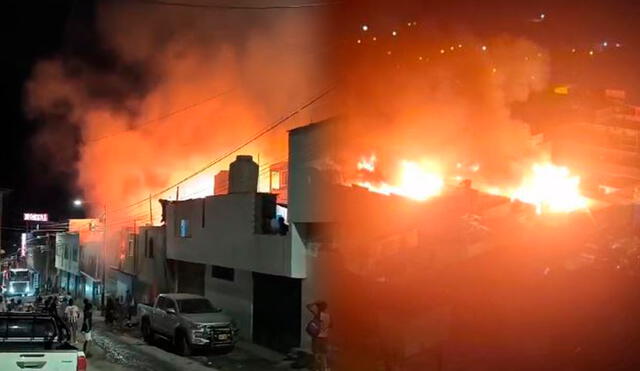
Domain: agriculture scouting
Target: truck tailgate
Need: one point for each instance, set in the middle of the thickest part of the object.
(50, 360)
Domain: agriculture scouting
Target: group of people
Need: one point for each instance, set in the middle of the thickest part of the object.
(62, 308)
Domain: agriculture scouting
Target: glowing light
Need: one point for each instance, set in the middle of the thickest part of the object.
(551, 188)
(605, 44)
(368, 163)
(475, 168)
(459, 45)
(77, 202)
(415, 23)
(573, 50)
(452, 48)
(484, 48)
(590, 52)
(359, 41)
(365, 27)
(415, 181)
(374, 38)
(618, 45)
(494, 70)
(388, 52)
(409, 24)
(441, 51)
(420, 58)
(394, 33)
(542, 15)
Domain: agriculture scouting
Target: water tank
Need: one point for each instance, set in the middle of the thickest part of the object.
(243, 175)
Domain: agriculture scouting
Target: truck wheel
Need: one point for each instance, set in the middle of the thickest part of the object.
(182, 344)
(147, 332)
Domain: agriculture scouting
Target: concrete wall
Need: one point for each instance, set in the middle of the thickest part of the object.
(234, 297)
(228, 237)
(152, 275)
(311, 173)
(67, 242)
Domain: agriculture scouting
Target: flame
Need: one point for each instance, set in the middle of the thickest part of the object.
(417, 181)
(551, 188)
(368, 163)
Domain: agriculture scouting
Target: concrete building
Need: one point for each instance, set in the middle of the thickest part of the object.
(67, 261)
(91, 239)
(226, 248)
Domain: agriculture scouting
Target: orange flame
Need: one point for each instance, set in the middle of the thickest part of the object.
(416, 181)
(551, 188)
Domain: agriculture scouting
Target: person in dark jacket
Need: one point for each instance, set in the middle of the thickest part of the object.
(87, 324)
(109, 311)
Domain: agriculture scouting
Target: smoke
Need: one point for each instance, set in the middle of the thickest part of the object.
(159, 91)
(448, 99)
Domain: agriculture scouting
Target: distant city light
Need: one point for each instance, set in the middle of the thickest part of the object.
(590, 52)
(459, 45)
(365, 27)
(374, 38)
(394, 33)
(441, 51)
(605, 44)
(484, 48)
(573, 50)
(358, 41)
(542, 15)
(452, 48)
(618, 45)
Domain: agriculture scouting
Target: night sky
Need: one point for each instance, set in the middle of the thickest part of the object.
(33, 30)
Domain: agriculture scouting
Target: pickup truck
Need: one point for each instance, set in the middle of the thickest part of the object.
(37, 341)
(189, 321)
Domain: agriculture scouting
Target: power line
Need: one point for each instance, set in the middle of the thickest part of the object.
(239, 147)
(237, 7)
(160, 118)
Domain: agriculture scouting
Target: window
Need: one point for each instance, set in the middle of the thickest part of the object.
(150, 248)
(162, 303)
(194, 306)
(223, 273)
(275, 180)
(184, 230)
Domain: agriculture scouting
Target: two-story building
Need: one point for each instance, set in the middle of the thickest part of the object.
(231, 248)
(67, 261)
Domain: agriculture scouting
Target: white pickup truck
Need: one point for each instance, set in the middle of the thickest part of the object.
(189, 321)
(37, 341)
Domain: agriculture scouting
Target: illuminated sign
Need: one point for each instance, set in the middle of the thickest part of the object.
(36, 217)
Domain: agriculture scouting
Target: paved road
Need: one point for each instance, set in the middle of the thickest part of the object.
(124, 350)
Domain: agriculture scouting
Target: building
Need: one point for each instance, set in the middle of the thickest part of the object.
(226, 248)
(278, 181)
(91, 239)
(67, 262)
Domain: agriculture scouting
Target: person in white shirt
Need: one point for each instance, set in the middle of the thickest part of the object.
(320, 340)
(72, 316)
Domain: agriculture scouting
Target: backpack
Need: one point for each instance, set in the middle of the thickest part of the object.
(314, 327)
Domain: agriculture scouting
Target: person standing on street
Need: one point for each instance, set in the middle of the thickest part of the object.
(72, 316)
(87, 324)
(318, 329)
(3, 305)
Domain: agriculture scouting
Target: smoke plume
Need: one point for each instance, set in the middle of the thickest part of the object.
(164, 90)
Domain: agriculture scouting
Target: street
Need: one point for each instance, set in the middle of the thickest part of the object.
(116, 350)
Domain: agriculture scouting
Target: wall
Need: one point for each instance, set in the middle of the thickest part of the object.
(152, 277)
(228, 236)
(69, 242)
(235, 298)
(311, 173)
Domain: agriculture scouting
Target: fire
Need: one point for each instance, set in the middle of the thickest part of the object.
(368, 163)
(551, 188)
(417, 181)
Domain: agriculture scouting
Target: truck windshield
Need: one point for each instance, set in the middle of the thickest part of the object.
(19, 276)
(196, 306)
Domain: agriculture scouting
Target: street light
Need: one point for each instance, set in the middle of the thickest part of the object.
(79, 203)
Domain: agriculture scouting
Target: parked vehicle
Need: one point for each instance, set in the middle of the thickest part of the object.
(189, 321)
(18, 282)
(37, 341)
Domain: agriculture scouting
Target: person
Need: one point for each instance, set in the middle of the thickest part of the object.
(320, 335)
(87, 324)
(11, 306)
(19, 307)
(72, 317)
(53, 306)
(109, 308)
(284, 228)
(3, 304)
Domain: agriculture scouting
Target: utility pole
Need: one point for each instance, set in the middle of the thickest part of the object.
(104, 257)
(150, 211)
